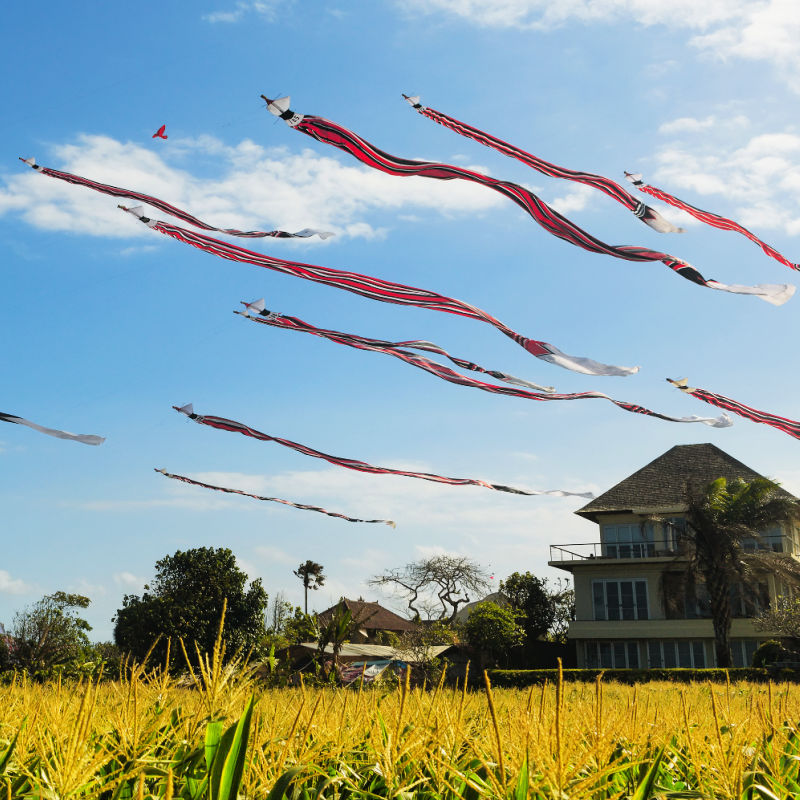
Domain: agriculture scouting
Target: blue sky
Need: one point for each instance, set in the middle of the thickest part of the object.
(106, 324)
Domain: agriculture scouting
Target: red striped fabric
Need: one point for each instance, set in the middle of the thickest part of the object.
(303, 506)
(451, 376)
(643, 212)
(161, 205)
(328, 132)
(385, 291)
(723, 223)
(361, 466)
(784, 424)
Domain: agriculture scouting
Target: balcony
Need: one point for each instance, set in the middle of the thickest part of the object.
(664, 548)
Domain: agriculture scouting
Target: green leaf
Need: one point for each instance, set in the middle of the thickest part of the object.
(278, 791)
(4, 759)
(521, 789)
(645, 788)
(228, 765)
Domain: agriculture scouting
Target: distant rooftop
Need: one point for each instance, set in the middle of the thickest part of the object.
(661, 485)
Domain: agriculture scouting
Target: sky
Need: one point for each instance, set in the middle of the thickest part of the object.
(107, 324)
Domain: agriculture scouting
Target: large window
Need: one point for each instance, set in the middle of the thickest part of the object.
(612, 655)
(676, 653)
(628, 541)
(749, 600)
(742, 651)
(771, 539)
(620, 599)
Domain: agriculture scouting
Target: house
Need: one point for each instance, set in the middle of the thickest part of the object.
(635, 607)
(370, 620)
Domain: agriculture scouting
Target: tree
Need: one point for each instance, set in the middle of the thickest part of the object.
(50, 633)
(439, 583)
(564, 605)
(534, 604)
(783, 618)
(311, 574)
(335, 632)
(417, 645)
(718, 519)
(185, 602)
(493, 629)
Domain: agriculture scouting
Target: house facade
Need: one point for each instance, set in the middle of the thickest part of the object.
(636, 606)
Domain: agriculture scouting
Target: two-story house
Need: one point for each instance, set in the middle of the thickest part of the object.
(635, 605)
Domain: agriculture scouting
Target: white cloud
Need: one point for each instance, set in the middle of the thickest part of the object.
(574, 200)
(254, 188)
(12, 585)
(129, 581)
(768, 30)
(266, 8)
(687, 125)
(758, 183)
(274, 554)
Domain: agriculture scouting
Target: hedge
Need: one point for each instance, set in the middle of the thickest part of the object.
(518, 678)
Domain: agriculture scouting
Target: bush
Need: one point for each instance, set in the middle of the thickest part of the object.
(518, 678)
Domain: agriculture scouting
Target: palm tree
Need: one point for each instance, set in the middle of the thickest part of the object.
(719, 518)
(311, 574)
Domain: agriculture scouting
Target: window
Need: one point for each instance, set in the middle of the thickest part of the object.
(612, 655)
(743, 650)
(620, 599)
(750, 600)
(628, 540)
(676, 653)
(770, 539)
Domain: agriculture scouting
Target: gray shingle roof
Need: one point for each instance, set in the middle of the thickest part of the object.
(661, 485)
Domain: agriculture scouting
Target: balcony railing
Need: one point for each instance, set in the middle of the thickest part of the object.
(615, 550)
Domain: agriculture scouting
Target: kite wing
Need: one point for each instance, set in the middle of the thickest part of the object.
(385, 291)
(790, 426)
(271, 499)
(159, 134)
(714, 220)
(641, 211)
(451, 376)
(83, 438)
(161, 205)
(328, 132)
(361, 466)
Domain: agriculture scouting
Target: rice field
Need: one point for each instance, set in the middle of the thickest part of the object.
(148, 737)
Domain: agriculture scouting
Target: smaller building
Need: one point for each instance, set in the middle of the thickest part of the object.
(370, 620)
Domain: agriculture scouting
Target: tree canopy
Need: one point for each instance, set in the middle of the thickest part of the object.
(49, 633)
(185, 601)
(435, 587)
(493, 629)
(719, 518)
(311, 574)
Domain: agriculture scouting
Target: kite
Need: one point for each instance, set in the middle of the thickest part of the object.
(258, 307)
(161, 205)
(159, 134)
(360, 466)
(790, 426)
(271, 499)
(641, 211)
(447, 374)
(385, 291)
(706, 216)
(328, 132)
(83, 438)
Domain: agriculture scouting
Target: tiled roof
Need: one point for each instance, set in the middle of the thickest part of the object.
(661, 485)
(370, 616)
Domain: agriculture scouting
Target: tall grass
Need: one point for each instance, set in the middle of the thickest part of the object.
(146, 736)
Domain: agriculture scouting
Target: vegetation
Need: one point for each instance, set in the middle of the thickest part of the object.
(146, 737)
(311, 574)
(435, 587)
(184, 602)
(719, 519)
(493, 629)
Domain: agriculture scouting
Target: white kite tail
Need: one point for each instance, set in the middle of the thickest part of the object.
(775, 294)
(587, 366)
(83, 438)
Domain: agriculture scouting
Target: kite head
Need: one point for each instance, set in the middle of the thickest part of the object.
(280, 108)
(31, 162)
(256, 307)
(635, 178)
(188, 409)
(412, 101)
(138, 212)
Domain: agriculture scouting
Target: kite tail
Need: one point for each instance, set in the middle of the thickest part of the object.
(716, 221)
(790, 426)
(83, 438)
(451, 376)
(639, 209)
(167, 208)
(328, 132)
(366, 286)
(303, 506)
(361, 466)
